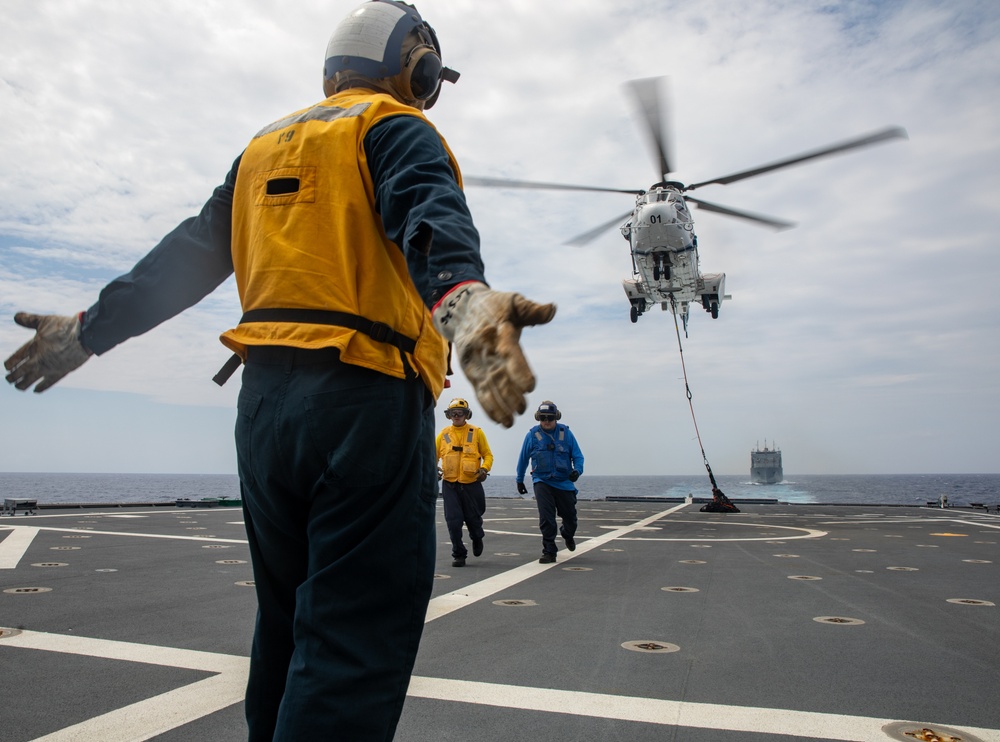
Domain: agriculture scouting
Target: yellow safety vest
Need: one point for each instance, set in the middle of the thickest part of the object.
(313, 264)
(463, 451)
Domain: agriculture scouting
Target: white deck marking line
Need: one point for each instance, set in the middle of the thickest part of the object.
(979, 524)
(79, 513)
(155, 716)
(110, 649)
(87, 532)
(927, 521)
(453, 601)
(805, 724)
(150, 717)
(804, 533)
(17, 542)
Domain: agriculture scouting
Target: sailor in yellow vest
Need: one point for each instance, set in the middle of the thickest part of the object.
(466, 461)
(357, 262)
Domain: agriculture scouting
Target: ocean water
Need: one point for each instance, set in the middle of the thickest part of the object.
(876, 489)
(117, 488)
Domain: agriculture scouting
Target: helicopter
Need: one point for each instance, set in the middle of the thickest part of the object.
(660, 229)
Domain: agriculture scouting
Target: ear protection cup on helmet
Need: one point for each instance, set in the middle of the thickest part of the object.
(433, 74)
(421, 75)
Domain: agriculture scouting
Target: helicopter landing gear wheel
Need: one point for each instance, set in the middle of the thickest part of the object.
(656, 272)
(634, 314)
(715, 310)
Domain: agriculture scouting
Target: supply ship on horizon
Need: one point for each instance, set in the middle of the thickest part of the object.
(765, 464)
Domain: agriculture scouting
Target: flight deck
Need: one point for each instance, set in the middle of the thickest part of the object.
(781, 622)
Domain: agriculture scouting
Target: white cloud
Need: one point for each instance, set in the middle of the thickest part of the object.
(864, 340)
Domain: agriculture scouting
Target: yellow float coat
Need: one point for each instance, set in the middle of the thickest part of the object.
(463, 452)
(306, 236)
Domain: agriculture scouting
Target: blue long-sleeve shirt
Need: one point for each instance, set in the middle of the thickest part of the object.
(552, 455)
(423, 212)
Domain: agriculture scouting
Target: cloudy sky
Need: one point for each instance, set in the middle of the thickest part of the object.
(865, 340)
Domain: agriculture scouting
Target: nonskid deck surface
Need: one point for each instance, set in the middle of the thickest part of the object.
(778, 623)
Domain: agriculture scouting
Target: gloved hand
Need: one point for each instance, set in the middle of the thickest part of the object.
(485, 328)
(50, 355)
(574, 475)
(440, 474)
(481, 475)
(521, 489)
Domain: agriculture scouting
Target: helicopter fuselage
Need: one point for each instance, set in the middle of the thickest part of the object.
(665, 256)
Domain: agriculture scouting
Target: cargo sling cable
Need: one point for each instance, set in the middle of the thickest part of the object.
(687, 389)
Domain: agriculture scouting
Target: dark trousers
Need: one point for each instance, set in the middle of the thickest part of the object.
(463, 503)
(339, 479)
(552, 501)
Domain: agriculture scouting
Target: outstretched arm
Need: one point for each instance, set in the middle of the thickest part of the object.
(187, 265)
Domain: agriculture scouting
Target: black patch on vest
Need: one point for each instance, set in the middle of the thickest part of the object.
(282, 186)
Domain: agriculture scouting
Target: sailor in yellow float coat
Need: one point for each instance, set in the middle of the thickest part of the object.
(357, 262)
(466, 461)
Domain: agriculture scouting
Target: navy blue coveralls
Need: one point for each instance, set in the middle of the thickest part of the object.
(553, 456)
(337, 463)
(464, 504)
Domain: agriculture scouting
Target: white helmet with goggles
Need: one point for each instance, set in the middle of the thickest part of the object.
(387, 42)
(548, 409)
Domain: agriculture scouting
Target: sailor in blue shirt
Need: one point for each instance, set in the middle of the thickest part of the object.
(556, 463)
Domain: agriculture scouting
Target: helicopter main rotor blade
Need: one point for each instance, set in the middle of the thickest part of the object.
(769, 221)
(593, 234)
(892, 132)
(647, 94)
(505, 183)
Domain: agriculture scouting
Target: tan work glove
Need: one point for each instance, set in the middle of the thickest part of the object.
(485, 328)
(50, 355)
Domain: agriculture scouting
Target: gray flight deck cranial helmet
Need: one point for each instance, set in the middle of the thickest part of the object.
(387, 43)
